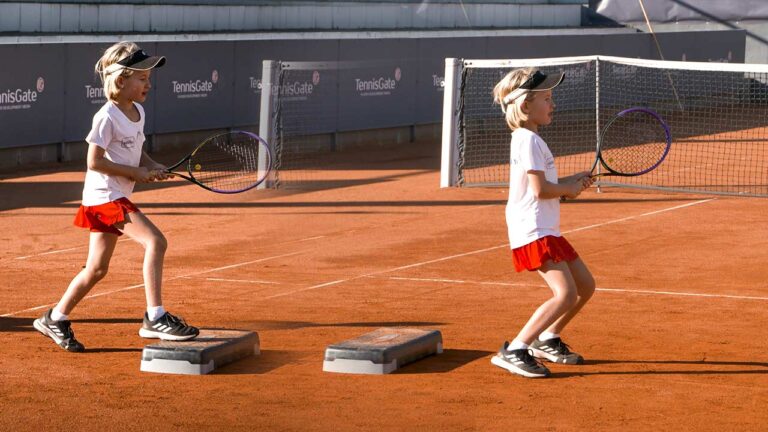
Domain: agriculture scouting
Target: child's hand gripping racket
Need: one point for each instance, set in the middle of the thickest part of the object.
(633, 143)
(227, 163)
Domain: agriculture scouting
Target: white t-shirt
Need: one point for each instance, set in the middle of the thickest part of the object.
(529, 218)
(123, 140)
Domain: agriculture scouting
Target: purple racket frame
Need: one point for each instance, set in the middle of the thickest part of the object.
(599, 158)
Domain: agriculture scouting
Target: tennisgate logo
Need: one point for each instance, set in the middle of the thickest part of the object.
(295, 90)
(95, 95)
(581, 76)
(193, 89)
(438, 82)
(21, 98)
(378, 86)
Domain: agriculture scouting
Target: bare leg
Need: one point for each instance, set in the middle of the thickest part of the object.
(585, 284)
(141, 229)
(101, 246)
(561, 282)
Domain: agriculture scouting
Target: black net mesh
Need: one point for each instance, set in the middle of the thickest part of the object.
(718, 121)
(485, 135)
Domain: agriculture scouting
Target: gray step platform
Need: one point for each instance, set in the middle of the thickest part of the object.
(212, 349)
(382, 351)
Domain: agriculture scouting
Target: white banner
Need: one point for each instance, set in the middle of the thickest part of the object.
(684, 10)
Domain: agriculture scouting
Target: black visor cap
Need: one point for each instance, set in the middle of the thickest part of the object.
(140, 60)
(539, 81)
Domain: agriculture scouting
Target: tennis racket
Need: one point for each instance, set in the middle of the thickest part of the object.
(227, 163)
(634, 142)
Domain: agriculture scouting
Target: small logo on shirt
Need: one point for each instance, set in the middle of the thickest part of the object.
(128, 142)
(550, 162)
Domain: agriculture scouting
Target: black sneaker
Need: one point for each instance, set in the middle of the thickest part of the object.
(556, 351)
(167, 327)
(519, 361)
(60, 331)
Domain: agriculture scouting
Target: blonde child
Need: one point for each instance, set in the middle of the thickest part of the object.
(116, 162)
(533, 222)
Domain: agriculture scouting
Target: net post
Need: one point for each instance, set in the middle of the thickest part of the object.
(266, 117)
(449, 172)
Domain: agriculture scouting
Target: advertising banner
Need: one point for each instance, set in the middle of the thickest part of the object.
(31, 94)
(194, 89)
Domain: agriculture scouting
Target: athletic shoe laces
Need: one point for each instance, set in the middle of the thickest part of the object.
(176, 321)
(562, 347)
(66, 329)
(530, 360)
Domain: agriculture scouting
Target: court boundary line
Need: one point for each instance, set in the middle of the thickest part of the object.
(57, 251)
(245, 281)
(164, 280)
(340, 281)
(336, 282)
(539, 285)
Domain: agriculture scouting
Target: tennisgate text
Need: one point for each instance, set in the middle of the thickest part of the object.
(375, 84)
(296, 88)
(198, 86)
(18, 96)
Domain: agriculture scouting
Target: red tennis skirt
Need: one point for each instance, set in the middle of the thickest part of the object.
(533, 255)
(103, 217)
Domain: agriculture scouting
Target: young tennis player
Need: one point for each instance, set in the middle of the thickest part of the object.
(116, 162)
(533, 223)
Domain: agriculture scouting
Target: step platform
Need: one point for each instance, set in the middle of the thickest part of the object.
(210, 350)
(382, 351)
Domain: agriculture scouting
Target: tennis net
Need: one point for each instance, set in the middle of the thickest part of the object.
(323, 120)
(717, 114)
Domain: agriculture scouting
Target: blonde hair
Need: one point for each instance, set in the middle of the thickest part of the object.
(513, 112)
(111, 56)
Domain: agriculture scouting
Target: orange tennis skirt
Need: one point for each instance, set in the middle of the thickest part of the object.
(533, 255)
(103, 217)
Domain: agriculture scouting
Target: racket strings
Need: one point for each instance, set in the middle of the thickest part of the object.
(229, 162)
(634, 143)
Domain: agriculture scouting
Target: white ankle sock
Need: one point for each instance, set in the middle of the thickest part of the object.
(58, 316)
(547, 336)
(154, 313)
(516, 345)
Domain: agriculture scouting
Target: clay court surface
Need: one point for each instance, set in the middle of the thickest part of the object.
(673, 338)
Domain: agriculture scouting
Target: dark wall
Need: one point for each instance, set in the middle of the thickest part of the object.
(49, 92)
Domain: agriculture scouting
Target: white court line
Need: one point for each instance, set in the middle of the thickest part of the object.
(564, 232)
(455, 281)
(61, 250)
(633, 291)
(122, 240)
(638, 216)
(673, 293)
(249, 281)
(169, 279)
(322, 285)
(51, 252)
(336, 282)
(311, 238)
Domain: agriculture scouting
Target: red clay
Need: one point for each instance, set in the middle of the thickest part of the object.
(315, 267)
